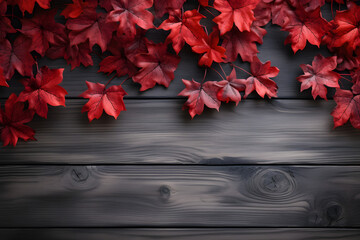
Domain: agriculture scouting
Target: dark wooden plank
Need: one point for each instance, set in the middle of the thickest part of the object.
(158, 131)
(272, 49)
(181, 234)
(179, 196)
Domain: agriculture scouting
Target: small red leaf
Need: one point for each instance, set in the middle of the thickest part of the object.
(16, 57)
(157, 66)
(229, 88)
(260, 80)
(101, 99)
(212, 52)
(184, 28)
(319, 75)
(43, 90)
(12, 120)
(307, 26)
(130, 13)
(347, 29)
(200, 95)
(347, 108)
(42, 30)
(239, 12)
(243, 43)
(91, 26)
(74, 55)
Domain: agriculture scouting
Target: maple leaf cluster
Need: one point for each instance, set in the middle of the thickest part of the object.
(118, 29)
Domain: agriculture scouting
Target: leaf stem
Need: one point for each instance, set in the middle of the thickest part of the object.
(12, 16)
(240, 68)
(218, 73)
(204, 76)
(222, 69)
(345, 79)
(37, 66)
(110, 80)
(206, 31)
(209, 12)
(124, 80)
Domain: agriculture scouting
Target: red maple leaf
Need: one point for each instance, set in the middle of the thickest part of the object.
(260, 80)
(243, 43)
(137, 45)
(119, 63)
(12, 120)
(345, 59)
(200, 95)
(5, 23)
(262, 14)
(130, 13)
(28, 5)
(91, 26)
(100, 99)
(282, 13)
(184, 28)
(319, 75)
(348, 107)
(307, 26)
(355, 75)
(75, 9)
(16, 57)
(212, 52)
(229, 88)
(347, 29)
(74, 55)
(239, 12)
(163, 6)
(42, 30)
(122, 52)
(43, 90)
(157, 66)
(3, 79)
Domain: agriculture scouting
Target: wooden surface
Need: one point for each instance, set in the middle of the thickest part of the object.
(159, 132)
(266, 169)
(177, 196)
(183, 234)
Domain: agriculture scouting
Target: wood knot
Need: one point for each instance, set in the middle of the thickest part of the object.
(272, 183)
(333, 213)
(165, 192)
(79, 174)
(327, 213)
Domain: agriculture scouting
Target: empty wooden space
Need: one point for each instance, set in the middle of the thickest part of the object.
(265, 169)
(158, 132)
(179, 196)
(183, 234)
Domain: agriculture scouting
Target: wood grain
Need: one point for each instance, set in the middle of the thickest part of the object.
(158, 132)
(181, 234)
(176, 196)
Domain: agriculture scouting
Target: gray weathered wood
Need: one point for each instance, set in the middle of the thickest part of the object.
(181, 234)
(158, 131)
(176, 196)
